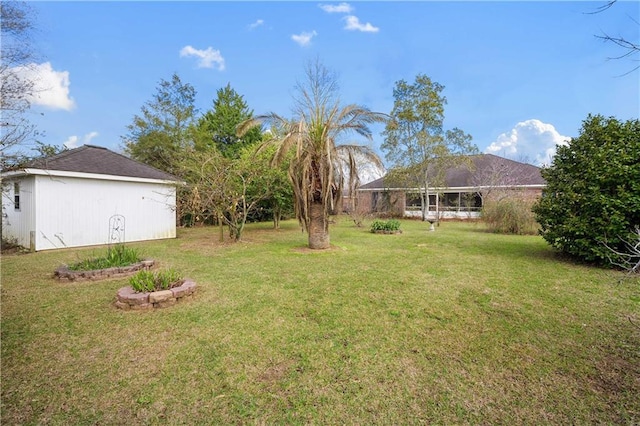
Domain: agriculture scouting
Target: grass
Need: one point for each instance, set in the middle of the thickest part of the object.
(455, 326)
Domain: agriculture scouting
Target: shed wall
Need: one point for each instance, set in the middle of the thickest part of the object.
(18, 223)
(74, 212)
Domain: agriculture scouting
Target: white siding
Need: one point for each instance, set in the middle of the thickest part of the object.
(19, 223)
(75, 212)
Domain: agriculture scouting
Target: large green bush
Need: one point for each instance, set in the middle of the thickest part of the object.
(592, 196)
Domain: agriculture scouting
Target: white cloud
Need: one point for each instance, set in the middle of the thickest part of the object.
(336, 8)
(75, 141)
(304, 38)
(532, 140)
(50, 87)
(354, 24)
(256, 24)
(209, 58)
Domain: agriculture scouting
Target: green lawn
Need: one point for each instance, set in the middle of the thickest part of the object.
(454, 326)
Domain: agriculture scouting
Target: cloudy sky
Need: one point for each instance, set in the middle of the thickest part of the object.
(520, 77)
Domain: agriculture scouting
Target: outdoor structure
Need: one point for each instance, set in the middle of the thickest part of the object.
(461, 196)
(87, 196)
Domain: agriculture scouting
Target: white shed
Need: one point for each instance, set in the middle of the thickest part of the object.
(87, 196)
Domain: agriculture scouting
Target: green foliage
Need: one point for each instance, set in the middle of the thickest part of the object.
(510, 215)
(118, 255)
(592, 196)
(147, 281)
(219, 124)
(416, 144)
(143, 281)
(390, 225)
(270, 185)
(165, 128)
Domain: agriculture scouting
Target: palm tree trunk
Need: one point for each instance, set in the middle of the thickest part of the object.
(318, 227)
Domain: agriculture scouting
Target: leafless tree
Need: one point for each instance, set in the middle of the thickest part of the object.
(17, 55)
(629, 259)
(629, 47)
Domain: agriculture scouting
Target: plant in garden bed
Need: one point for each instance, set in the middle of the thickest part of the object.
(385, 226)
(118, 255)
(147, 281)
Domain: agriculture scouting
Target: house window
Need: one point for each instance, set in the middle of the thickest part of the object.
(16, 196)
(413, 201)
(461, 202)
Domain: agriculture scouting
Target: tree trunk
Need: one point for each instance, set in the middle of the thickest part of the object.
(318, 227)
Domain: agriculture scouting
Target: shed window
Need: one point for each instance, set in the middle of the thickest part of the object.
(16, 196)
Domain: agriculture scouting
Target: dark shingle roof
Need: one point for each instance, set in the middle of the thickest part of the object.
(487, 170)
(99, 160)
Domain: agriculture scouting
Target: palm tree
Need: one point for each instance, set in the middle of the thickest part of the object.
(319, 165)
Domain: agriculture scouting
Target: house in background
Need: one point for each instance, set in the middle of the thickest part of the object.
(87, 196)
(463, 194)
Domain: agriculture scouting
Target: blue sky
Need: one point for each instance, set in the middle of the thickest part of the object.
(519, 76)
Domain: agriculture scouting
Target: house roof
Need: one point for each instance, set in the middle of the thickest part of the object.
(486, 170)
(98, 160)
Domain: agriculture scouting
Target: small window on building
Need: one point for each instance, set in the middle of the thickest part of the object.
(16, 196)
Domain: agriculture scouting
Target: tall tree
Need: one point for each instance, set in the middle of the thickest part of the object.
(165, 127)
(592, 200)
(416, 144)
(17, 53)
(314, 135)
(229, 110)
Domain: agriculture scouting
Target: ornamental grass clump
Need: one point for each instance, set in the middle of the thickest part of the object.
(118, 255)
(510, 215)
(391, 225)
(147, 281)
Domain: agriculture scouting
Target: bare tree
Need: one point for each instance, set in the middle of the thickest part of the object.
(17, 55)
(629, 47)
(629, 258)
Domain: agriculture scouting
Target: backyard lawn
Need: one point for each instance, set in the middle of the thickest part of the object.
(454, 326)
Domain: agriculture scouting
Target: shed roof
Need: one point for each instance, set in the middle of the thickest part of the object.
(99, 160)
(486, 170)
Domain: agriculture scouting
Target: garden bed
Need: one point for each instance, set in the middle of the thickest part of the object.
(129, 299)
(64, 272)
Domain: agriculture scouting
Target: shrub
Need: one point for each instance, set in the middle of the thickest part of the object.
(390, 225)
(510, 215)
(118, 255)
(592, 200)
(147, 281)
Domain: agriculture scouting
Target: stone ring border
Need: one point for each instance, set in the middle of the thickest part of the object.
(63, 272)
(129, 299)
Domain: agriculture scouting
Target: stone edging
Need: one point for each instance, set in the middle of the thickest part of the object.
(64, 272)
(128, 299)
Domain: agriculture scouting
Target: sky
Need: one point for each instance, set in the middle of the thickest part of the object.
(520, 77)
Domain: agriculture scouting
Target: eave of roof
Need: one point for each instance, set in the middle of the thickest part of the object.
(90, 161)
(522, 176)
(95, 176)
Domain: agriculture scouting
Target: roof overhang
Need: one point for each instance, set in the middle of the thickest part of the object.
(455, 189)
(80, 175)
